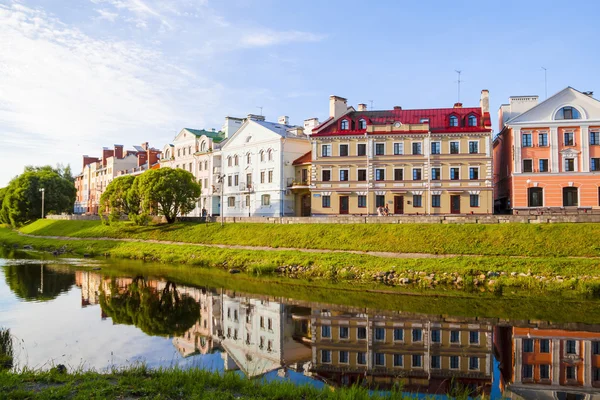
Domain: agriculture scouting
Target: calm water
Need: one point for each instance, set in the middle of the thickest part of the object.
(64, 312)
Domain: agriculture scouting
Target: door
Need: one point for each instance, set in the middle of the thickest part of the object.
(398, 205)
(344, 204)
(570, 197)
(305, 210)
(455, 204)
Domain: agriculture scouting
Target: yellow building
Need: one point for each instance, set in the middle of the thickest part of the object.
(428, 161)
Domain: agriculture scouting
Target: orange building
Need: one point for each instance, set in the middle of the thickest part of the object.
(547, 155)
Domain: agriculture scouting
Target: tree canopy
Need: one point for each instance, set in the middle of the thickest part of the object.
(118, 199)
(22, 199)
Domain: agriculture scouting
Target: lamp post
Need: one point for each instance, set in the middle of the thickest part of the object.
(43, 191)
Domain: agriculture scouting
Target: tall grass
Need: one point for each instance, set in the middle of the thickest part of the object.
(6, 349)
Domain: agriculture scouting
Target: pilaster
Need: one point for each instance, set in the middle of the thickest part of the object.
(585, 148)
(554, 156)
(517, 140)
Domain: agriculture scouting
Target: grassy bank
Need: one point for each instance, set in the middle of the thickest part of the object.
(544, 240)
(140, 382)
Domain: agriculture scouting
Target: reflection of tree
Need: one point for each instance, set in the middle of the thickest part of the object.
(156, 312)
(37, 282)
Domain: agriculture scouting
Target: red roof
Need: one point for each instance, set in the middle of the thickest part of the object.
(438, 118)
(303, 159)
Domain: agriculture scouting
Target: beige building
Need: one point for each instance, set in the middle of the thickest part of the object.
(429, 161)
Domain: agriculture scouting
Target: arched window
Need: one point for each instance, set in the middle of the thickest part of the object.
(270, 155)
(203, 146)
(472, 120)
(190, 150)
(362, 124)
(236, 160)
(453, 120)
(183, 151)
(229, 161)
(344, 125)
(167, 154)
(199, 166)
(248, 158)
(262, 156)
(178, 152)
(568, 113)
(206, 165)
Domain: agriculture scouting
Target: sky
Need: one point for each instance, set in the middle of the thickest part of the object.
(79, 75)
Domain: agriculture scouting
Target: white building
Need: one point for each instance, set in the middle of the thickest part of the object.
(257, 167)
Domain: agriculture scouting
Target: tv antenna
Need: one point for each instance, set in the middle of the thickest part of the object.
(545, 80)
(261, 108)
(458, 82)
(371, 101)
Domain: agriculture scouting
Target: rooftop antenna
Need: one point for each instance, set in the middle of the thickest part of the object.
(261, 108)
(545, 80)
(458, 81)
(371, 101)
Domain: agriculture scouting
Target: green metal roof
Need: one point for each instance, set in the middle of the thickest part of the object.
(216, 136)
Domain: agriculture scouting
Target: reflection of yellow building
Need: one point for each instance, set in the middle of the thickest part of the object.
(383, 350)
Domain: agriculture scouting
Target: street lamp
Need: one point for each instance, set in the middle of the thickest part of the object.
(43, 191)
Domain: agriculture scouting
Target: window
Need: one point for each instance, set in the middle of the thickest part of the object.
(535, 197)
(527, 371)
(270, 324)
(454, 173)
(398, 149)
(262, 156)
(344, 357)
(344, 332)
(526, 140)
(231, 201)
(325, 175)
(527, 345)
(361, 332)
(343, 150)
(596, 348)
(416, 174)
(344, 125)
(326, 201)
(543, 139)
(270, 176)
(398, 334)
(436, 200)
(379, 149)
(544, 346)
(379, 359)
(361, 149)
(417, 200)
(571, 347)
(362, 201)
(262, 322)
(473, 363)
(436, 174)
(473, 173)
(453, 120)
(436, 147)
(183, 151)
(454, 362)
(325, 331)
(569, 139)
(229, 161)
(344, 175)
(594, 138)
(417, 360)
(236, 179)
(473, 147)
(380, 174)
(326, 150)
(567, 113)
(362, 124)
(435, 336)
(543, 165)
(416, 148)
(398, 360)
(454, 147)
(571, 372)
(569, 164)
(362, 175)
(474, 200)
(379, 200)
(190, 167)
(472, 120)
(229, 180)
(248, 158)
(544, 371)
(454, 337)
(398, 174)
(473, 337)
(424, 121)
(270, 153)
(527, 165)
(206, 165)
(595, 164)
(200, 167)
(262, 176)
(361, 358)
(235, 315)
(248, 180)
(326, 356)
(596, 374)
(265, 200)
(379, 334)
(236, 160)
(436, 362)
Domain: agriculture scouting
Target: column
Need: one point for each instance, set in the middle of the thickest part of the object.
(554, 159)
(555, 361)
(518, 359)
(585, 149)
(517, 140)
(587, 363)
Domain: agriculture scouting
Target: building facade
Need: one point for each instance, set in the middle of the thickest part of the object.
(547, 155)
(429, 161)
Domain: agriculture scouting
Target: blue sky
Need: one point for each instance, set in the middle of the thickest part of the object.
(77, 75)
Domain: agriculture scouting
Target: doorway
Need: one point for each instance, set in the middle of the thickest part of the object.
(305, 206)
(570, 197)
(398, 205)
(455, 204)
(344, 204)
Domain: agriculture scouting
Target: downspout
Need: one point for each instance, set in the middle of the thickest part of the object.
(282, 187)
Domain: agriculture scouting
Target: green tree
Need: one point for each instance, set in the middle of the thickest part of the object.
(3, 218)
(23, 199)
(166, 191)
(116, 200)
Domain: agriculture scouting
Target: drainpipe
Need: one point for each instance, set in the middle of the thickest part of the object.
(368, 180)
(429, 176)
(282, 177)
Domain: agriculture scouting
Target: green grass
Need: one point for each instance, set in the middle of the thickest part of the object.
(541, 240)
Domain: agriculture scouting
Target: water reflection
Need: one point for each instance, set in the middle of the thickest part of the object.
(38, 282)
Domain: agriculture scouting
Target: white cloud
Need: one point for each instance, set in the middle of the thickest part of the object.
(270, 38)
(107, 15)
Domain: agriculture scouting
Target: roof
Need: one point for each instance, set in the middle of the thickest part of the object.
(216, 136)
(437, 117)
(280, 129)
(303, 159)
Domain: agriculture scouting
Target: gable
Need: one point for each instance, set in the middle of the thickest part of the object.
(588, 108)
(256, 132)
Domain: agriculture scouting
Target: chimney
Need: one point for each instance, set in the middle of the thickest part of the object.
(283, 120)
(397, 108)
(106, 152)
(484, 101)
(118, 151)
(589, 93)
(255, 117)
(457, 105)
(362, 107)
(337, 106)
(142, 158)
(309, 125)
(145, 146)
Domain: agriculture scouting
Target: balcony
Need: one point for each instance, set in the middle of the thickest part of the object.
(295, 184)
(246, 188)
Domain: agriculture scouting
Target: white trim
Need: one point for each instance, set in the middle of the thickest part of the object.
(431, 144)
(375, 143)
(411, 147)
(469, 148)
(401, 148)
(450, 146)
(478, 172)
(340, 149)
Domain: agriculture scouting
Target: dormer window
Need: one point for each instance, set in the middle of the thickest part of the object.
(344, 125)
(568, 113)
(453, 120)
(362, 124)
(472, 120)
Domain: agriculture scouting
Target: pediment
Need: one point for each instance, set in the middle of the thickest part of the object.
(570, 152)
